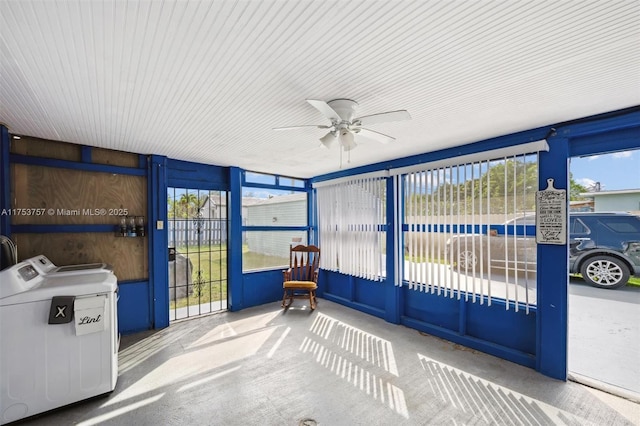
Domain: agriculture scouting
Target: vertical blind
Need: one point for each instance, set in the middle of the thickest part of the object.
(351, 225)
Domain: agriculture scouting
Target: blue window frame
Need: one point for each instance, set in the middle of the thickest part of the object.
(275, 215)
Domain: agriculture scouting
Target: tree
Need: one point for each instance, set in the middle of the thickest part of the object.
(575, 189)
(185, 207)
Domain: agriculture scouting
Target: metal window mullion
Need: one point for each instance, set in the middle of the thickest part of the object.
(489, 232)
(432, 243)
(356, 224)
(428, 264)
(361, 219)
(450, 230)
(463, 223)
(345, 236)
(423, 231)
(439, 199)
(373, 216)
(411, 232)
(336, 228)
(349, 241)
(515, 233)
(457, 276)
(353, 211)
(473, 229)
(506, 235)
(526, 251)
(341, 259)
(399, 196)
(372, 230)
(417, 230)
(380, 205)
(481, 225)
(369, 253)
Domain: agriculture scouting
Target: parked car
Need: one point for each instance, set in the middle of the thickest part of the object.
(603, 247)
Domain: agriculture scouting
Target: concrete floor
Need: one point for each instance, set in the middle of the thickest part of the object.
(604, 337)
(334, 366)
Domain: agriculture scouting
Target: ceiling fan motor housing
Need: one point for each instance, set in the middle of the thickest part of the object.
(346, 108)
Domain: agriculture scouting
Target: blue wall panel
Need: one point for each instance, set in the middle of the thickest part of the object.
(334, 284)
(357, 293)
(133, 307)
(370, 293)
(261, 287)
(491, 329)
(508, 328)
(184, 174)
(431, 309)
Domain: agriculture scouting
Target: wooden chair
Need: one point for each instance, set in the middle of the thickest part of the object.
(300, 281)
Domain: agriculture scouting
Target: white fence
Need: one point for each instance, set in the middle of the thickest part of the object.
(185, 232)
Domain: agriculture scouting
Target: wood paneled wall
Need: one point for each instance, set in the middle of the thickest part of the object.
(128, 256)
(72, 193)
(79, 197)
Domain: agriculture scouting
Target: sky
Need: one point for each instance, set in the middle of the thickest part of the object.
(620, 170)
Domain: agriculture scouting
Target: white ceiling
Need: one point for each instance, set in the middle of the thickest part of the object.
(206, 81)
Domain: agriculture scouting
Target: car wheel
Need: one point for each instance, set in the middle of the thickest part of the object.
(467, 260)
(605, 272)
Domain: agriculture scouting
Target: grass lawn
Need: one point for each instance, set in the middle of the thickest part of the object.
(634, 281)
(210, 271)
(209, 275)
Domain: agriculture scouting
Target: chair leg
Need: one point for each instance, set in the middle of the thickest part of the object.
(312, 296)
(284, 298)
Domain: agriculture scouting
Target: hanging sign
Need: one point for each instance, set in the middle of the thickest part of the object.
(551, 215)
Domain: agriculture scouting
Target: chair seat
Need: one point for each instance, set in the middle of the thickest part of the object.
(300, 284)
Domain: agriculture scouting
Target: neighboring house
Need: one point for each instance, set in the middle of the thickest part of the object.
(581, 205)
(625, 200)
(285, 210)
(214, 207)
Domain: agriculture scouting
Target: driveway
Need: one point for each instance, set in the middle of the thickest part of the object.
(604, 334)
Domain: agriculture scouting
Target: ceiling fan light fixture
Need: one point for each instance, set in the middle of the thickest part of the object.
(327, 140)
(347, 140)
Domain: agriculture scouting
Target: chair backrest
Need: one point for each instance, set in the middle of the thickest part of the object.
(303, 262)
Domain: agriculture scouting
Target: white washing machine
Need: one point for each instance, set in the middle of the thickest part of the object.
(45, 267)
(58, 338)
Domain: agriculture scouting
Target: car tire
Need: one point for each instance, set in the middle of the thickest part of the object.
(605, 272)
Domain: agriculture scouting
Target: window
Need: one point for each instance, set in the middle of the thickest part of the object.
(352, 226)
(577, 227)
(468, 227)
(272, 219)
(621, 225)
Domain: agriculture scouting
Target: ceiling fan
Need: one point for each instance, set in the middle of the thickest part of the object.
(346, 127)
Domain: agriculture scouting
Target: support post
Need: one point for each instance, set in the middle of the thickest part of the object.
(553, 276)
(393, 293)
(234, 247)
(158, 241)
(5, 184)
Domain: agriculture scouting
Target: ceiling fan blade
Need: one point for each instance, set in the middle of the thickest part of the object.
(318, 126)
(376, 136)
(325, 109)
(383, 117)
